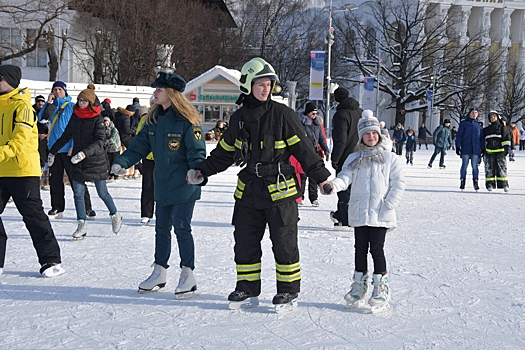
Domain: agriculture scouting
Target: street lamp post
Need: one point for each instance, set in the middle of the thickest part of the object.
(330, 41)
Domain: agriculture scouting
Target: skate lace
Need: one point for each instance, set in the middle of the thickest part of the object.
(183, 276)
(357, 287)
(380, 291)
(155, 274)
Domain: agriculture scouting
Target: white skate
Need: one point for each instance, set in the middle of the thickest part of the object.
(355, 298)
(81, 230)
(156, 281)
(187, 284)
(379, 301)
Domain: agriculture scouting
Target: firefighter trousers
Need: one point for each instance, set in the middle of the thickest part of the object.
(250, 225)
(496, 170)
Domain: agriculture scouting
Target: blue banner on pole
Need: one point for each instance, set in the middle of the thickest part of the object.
(316, 75)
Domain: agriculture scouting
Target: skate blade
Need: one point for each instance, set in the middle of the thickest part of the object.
(155, 289)
(284, 308)
(245, 304)
(378, 309)
(187, 294)
(350, 305)
(79, 238)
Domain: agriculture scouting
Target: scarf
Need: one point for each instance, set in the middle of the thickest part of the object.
(368, 155)
(86, 113)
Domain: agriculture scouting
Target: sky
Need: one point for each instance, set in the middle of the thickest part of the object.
(455, 263)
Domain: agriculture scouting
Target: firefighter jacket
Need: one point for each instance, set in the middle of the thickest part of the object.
(18, 135)
(497, 138)
(271, 132)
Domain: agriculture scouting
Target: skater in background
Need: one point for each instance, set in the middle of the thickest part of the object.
(497, 147)
(442, 139)
(410, 146)
(399, 138)
(263, 134)
(470, 146)
(43, 130)
(58, 110)
(147, 191)
(19, 145)
(344, 137)
(312, 126)
(422, 135)
(89, 164)
(172, 132)
(384, 131)
(113, 145)
(522, 139)
(515, 140)
(378, 184)
(453, 134)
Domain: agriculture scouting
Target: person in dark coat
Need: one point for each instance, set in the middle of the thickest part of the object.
(345, 140)
(123, 123)
(470, 146)
(134, 106)
(86, 129)
(399, 138)
(442, 139)
(497, 146)
(422, 135)
(43, 130)
(312, 126)
(410, 146)
(107, 110)
(174, 136)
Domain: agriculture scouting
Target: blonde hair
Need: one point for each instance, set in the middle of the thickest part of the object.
(181, 104)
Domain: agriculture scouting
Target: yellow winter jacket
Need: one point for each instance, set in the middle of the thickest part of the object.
(18, 135)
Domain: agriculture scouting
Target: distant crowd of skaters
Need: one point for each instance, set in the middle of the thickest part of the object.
(472, 142)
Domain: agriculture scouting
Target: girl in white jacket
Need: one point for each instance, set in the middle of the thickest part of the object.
(377, 180)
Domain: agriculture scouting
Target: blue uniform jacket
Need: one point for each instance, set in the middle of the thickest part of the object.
(177, 146)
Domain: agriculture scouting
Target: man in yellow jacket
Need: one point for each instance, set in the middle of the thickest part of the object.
(20, 171)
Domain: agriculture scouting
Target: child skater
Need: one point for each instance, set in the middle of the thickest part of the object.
(377, 180)
(410, 146)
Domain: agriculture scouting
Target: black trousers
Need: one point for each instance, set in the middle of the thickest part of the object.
(374, 238)
(147, 200)
(341, 213)
(312, 188)
(250, 225)
(25, 192)
(56, 183)
(421, 140)
(110, 158)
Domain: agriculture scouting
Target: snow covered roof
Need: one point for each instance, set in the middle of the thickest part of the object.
(217, 71)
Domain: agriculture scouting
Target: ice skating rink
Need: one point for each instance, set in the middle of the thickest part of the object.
(456, 264)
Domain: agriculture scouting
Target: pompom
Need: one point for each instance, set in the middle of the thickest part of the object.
(91, 86)
(367, 114)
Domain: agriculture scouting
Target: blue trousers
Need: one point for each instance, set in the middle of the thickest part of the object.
(474, 159)
(179, 217)
(102, 191)
(441, 158)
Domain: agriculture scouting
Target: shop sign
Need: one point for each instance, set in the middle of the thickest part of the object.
(193, 97)
(225, 98)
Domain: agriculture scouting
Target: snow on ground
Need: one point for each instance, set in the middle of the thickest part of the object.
(456, 264)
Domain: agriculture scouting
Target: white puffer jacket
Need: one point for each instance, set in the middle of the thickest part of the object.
(376, 191)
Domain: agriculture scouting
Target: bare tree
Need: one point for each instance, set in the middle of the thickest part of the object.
(513, 104)
(122, 39)
(31, 18)
(55, 58)
(417, 51)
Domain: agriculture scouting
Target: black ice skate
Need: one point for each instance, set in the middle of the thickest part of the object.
(239, 299)
(476, 185)
(285, 302)
(462, 184)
